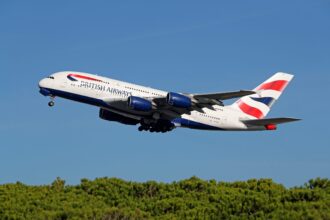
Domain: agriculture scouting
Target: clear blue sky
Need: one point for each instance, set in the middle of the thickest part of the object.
(183, 46)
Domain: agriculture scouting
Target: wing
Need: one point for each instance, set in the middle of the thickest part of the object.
(209, 99)
(267, 121)
(223, 95)
(216, 98)
(198, 102)
(159, 105)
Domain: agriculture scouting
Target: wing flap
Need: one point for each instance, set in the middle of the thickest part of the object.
(267, 121)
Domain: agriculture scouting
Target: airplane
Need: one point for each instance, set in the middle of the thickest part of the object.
(160, 111)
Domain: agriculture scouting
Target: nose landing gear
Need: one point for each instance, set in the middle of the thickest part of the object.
(51, 103)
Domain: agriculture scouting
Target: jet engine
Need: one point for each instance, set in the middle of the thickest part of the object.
(178, 100)
(139, 104)
(111, 116)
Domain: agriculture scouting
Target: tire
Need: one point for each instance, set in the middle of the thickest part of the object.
(51, 104)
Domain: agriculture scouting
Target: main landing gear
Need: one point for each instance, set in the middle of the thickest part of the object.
(160, 126)
(51, 103)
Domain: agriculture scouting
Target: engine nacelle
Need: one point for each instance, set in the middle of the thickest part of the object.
(111, 116)
(178, 100)
(139, 104)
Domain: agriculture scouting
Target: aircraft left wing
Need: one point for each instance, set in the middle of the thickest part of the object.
(224, 95)
(158, 106)
(198, 101)
(217, 98)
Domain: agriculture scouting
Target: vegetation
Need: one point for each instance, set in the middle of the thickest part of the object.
(111, 198)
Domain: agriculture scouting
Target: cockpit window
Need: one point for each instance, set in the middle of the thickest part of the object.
(51, 77)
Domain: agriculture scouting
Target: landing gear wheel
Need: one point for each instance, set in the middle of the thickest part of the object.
(51, 104)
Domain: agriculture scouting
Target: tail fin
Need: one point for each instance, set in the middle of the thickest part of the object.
(258, 105)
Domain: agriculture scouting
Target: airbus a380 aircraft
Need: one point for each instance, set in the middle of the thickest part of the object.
(159, 111)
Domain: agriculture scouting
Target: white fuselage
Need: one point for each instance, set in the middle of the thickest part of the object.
(110, 94)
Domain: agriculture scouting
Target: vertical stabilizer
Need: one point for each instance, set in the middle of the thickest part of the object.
(258, 105)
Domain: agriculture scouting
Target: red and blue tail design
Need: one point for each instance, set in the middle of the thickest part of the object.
(258, 105)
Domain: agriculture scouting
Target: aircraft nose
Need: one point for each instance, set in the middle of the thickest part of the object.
(42, 83)
(44, 87)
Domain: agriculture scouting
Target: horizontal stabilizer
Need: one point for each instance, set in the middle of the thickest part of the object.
(267, 121)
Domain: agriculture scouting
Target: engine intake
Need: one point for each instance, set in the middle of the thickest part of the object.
(178, 100)
(139, 104)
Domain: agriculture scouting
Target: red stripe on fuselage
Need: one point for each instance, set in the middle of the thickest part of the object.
(250, 110)
(85, 77)
(277, 85)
